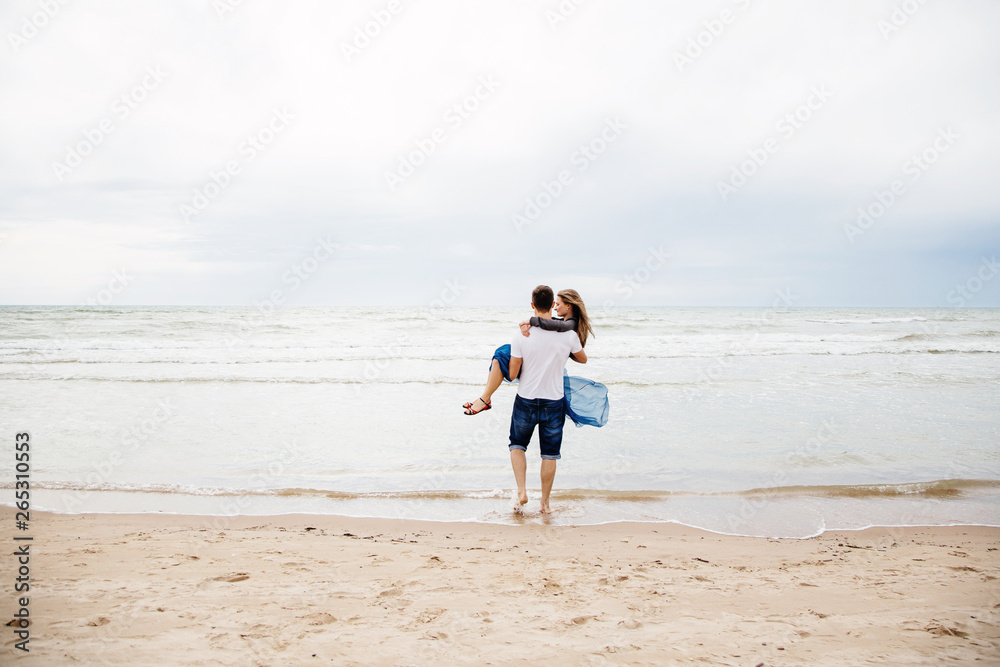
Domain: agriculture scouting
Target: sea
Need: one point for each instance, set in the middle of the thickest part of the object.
(769, 422)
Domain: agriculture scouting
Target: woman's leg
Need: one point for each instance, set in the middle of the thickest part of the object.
(493, 381)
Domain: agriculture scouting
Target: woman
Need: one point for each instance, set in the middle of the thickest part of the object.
(586, 401)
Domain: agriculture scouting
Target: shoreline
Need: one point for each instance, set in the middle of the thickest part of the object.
(783, 512)
(131, 588)
(529, 518)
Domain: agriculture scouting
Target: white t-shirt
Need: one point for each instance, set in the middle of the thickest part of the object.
(544, 355)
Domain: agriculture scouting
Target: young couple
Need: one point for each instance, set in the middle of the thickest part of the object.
(537, 358)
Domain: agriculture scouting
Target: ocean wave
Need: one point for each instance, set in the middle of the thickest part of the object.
(916, 336)
(39, 358)
(936, 489)
(942, 488)
(949, 336)
(460, 382)
(871, 320)
(264, 380)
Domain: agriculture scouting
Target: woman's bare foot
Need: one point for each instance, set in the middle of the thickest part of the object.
(546, 509)
(522, 497)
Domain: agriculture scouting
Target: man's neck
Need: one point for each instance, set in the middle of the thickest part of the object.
(546, 314)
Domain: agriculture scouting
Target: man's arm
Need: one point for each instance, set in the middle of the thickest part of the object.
(514, 367)
(579, 357)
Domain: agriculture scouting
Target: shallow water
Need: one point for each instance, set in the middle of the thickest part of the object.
(747, 421)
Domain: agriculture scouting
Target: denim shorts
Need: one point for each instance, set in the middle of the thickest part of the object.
(502, 355)
(549, 415)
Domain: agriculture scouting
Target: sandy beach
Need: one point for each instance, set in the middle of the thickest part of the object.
(168, 589)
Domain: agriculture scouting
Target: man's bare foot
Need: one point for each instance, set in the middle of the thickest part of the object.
(519, 500)
(546, 509)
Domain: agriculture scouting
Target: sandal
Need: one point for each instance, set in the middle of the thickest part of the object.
(470, 411)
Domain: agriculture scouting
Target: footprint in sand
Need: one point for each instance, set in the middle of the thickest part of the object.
(428, 615)
(232, 578)
(320, 618)
(391, 592)
(942, 630)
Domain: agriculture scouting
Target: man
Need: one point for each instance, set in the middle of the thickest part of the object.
(540, 359)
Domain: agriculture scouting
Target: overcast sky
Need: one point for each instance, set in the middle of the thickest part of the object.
(642, 152)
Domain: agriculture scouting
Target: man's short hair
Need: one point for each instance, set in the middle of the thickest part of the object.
(542, 297)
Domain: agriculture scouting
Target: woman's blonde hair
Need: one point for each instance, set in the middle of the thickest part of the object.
(583, 329)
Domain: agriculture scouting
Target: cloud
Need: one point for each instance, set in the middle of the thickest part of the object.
(416, 145)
